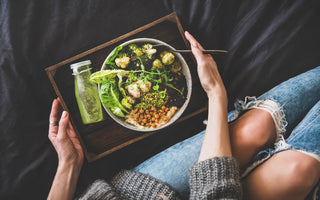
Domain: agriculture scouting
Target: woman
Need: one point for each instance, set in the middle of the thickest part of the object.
(249, 135)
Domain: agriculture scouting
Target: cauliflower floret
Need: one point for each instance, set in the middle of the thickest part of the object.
(145, 86)
(148, 50)
(122, 60)
(133, 90)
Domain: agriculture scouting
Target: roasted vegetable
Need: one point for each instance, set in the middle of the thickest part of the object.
(157, 64)
(167, 58)
(122, 60)
(135, 49)
(175, 67)
(148, 50)
(126, 104)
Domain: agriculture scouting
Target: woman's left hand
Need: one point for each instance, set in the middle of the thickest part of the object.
(64, 138)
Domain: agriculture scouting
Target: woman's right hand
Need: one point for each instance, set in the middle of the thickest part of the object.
(207, 70)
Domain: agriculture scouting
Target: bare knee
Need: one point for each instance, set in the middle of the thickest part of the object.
(303, 174)
(286, 175)
(254, 129)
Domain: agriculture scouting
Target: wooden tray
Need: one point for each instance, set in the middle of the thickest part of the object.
(103, 138)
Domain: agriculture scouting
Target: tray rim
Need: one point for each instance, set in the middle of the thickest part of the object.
(50, 71)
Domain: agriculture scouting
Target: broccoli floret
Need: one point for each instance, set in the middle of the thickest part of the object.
(122, 60)
(125, 102)
(167, 57)
(175, 67)
(135, 49)
(148, 50)
(157, 64)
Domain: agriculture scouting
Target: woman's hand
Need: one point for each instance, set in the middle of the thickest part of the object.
(216, 141)
(70, 154)
(64, 138)
(207, 70)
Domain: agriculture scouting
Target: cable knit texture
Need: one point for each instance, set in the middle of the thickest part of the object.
(135, 185)
(216, 178)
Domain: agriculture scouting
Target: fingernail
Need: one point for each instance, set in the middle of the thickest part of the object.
(64, 114)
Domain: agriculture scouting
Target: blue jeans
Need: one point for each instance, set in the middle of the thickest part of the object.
(295, 108)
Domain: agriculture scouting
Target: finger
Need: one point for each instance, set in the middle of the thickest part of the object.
(63, 125)
(54, 117)
(195, 47)
(58, 99)
(192, 40)
(71, 132)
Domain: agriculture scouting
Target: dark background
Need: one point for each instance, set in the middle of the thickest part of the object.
(268, 42)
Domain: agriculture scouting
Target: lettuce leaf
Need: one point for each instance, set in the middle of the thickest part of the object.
(112, 57)
(109, 95)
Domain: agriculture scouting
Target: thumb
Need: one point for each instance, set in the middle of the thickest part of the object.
(63, 125)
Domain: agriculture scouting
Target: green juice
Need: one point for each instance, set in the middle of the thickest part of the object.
(86, 93)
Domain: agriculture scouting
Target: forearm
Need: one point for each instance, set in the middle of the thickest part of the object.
(65, 182)
(216, 142)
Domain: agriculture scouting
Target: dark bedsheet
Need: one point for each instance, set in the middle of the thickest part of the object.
(268, 42)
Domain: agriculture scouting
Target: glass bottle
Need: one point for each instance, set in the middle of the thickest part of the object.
(86, 93)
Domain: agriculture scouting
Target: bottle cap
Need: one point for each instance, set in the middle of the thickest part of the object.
(75, 66)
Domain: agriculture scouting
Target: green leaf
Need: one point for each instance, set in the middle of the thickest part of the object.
(109, 95)
(109, 73)
(113, 55)
(155, 87)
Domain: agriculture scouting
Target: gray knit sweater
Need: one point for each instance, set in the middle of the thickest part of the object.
(216, 178)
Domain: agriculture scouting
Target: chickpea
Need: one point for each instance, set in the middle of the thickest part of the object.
(153, 125)
(141, 111)
(165, 118)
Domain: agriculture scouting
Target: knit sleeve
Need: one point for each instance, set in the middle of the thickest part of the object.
(99, 190)
(216, 178)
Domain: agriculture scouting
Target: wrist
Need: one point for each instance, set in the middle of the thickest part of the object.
(217, 97)
(69, 167)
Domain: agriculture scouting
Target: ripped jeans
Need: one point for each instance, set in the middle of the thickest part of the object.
(295, 108)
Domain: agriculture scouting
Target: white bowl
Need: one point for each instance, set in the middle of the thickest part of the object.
(185, 71)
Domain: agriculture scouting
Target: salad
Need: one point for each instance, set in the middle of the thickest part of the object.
(143, 84)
